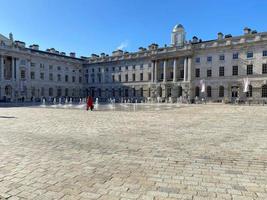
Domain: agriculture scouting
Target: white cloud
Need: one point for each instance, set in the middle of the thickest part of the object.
(123, 45)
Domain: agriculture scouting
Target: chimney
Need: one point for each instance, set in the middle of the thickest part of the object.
(220, 36)
(247, 31)
(72, 54)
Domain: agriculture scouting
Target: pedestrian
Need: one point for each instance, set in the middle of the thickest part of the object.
(90, 103)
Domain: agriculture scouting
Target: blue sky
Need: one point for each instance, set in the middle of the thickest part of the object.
(87, 26)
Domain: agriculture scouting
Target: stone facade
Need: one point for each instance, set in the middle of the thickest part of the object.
(214, 70)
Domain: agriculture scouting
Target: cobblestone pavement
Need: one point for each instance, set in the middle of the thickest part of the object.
(195, 152)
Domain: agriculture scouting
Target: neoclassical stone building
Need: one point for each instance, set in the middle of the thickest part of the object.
(221, 69)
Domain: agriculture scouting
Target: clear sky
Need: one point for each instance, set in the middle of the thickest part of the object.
(87, 26)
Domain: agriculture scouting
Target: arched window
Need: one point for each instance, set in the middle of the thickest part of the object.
(134, 93)
(264, 90)
(66, 92)
(197, 91)
(249, 93)
(8, 90)
(209, 91)
(221, 91)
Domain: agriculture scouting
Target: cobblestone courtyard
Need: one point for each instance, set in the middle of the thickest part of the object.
(195, 152)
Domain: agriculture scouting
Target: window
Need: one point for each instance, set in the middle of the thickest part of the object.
(134, 93)
(149, 76)
(249, 69)
(32, 75)
(250, 54)
(58, 68)
(93, 70)
(133, 77)
(42, 91)
(106, 69)
(141, 76)
(42, 66)
(209, 73)
(42, 76)
(126, 67)
(66, 78)
(197, 60)
(264, 53)
(58, 77)
(23, 62)
(235, 71)
(264, 91)
(50, 67)
(182, 73)
(126, 77)
(221, 57)
(141, 92)
(50, 77)
(197, 72)
(119, 78)
(113, 78)
(80, 79)
(249, 93)
(133, 67)
(235, 56)
(264, 68)
(66, 92)
(73, 79)
(22, 74)
(119, 68)
(197, 91)
(113, 69)
(99, 69)
(141, 66)
(221, 71)
(209, 59)
(50, 91)
(209, 91)
(221, 91)
(32, 64)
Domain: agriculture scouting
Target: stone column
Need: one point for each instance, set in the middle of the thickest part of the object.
(189, 63)
(13, 68)
(152, 71)
(174, 69)
(156, 72)
(2, 68)
(185, 69)
(164, 70)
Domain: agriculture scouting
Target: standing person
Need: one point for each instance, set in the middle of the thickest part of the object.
(90, 103)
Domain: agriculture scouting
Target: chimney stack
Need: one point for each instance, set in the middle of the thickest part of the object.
(220, 36)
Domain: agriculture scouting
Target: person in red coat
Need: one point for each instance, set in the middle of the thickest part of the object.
(90, 103)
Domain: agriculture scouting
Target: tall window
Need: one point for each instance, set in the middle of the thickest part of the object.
(221, 57)
(58, 77)
(264, 91)
(133, 77)
(50, 91)
(149, 76)
(197, 72)
(221, 71)
(73, 79)
(141, 92)
(32, 75)
(249, 69)
(42, 76)
(141, 76)
(22, 74)
(113, 78)
(235, 56)
(50, 77)
(221, 91)
(197, 91)
(209, 91)
(126, 77)
(250, 54)
(249, 93)
(264, 53)
(264, 68)
(119, 78)
(209, 73)
(197, 60)
(66, 78)
(209, 59)
(235, 70)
